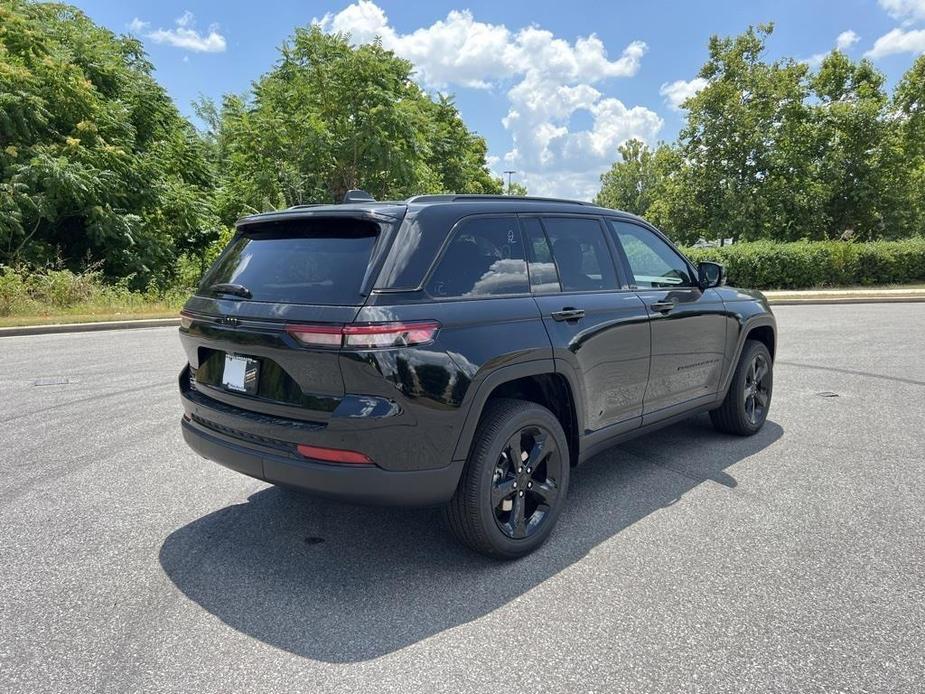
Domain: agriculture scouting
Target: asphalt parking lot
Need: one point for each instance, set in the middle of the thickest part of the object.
(685, 561)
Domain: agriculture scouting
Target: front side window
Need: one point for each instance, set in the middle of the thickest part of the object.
(485, 257)
(581, 254)
(653, 262)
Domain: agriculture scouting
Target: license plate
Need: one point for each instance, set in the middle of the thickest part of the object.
(241, 374)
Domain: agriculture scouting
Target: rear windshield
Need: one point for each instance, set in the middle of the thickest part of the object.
(300, 262)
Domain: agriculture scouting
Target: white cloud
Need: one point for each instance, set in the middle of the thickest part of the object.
(898, 41)
(908, 10)
(901, 40)
(548, 79)
(461, 50)
(843, 42)
(183, 35)
(679, 91)
(846, 40)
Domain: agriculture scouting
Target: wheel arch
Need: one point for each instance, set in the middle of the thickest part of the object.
(535, 381)
(762, 327)
(764, 334)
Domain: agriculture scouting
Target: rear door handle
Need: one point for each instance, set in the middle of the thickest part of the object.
(662, 306)
(568, 313)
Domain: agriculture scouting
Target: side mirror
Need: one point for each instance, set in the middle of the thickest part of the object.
(711, 275)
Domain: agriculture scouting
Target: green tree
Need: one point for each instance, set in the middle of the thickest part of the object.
(630, 183)
(740, 129)
(848, 147)
(774, 150)
(654, 184)
(516, 188)
(904, 156)
(454, 153)
(96, 164)
(674, 205)
(330, 117)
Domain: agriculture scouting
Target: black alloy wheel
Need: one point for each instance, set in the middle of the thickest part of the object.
(745, 407)
(515, 481)
(525, 485)
(757, 390)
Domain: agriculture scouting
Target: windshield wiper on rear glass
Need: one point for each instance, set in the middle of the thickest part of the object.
(228, 288)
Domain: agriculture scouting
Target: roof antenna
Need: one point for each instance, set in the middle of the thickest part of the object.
(358, 196)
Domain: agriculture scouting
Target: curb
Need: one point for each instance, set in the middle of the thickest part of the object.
(783, 301)
(55, 328)
(856, 296)
(808, 300)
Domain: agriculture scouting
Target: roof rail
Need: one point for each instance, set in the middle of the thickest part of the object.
(302, 207)
(481, 196)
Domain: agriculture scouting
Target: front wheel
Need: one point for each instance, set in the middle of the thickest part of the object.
(745, 407)
(515, 481)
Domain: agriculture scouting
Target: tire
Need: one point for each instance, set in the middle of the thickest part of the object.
(483, 513)
(745, 408)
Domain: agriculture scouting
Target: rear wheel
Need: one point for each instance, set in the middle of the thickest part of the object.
(515, 481)
(745, 407)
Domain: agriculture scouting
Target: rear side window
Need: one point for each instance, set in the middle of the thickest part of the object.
(299, 262)
(485, 257)
(581, 254)
(653, 262)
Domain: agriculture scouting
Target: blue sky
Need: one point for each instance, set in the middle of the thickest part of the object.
(553, 86)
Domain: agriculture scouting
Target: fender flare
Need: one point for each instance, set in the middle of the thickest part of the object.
(750, 324)
(483, 390)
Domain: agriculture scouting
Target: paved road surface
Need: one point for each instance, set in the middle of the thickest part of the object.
(685, 561)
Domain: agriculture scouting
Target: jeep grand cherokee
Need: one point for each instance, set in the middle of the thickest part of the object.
(460, 350)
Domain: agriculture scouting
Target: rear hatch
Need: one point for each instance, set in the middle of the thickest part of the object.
(274, 275)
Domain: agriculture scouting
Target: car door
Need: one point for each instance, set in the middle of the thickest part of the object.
(688, 325)
(597, 326)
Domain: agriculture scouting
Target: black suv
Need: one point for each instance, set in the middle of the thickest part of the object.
(460, 350)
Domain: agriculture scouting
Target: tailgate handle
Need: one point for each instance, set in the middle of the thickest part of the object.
(568, 313)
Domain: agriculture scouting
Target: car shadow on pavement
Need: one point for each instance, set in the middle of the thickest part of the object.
(342, 583)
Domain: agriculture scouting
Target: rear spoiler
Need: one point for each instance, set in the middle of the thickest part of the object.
(376, 212)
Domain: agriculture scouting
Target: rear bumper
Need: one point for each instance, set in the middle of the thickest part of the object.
(357, 483)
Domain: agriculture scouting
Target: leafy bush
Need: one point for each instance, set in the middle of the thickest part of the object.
(63, 288)
(54, 292)
(806, 264)
(97, 165)
(14, 295)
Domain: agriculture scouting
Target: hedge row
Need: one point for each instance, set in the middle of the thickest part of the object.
(807, 264)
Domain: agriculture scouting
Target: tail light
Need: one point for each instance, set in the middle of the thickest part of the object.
(366, 335)
(390, 334)
(317, 335)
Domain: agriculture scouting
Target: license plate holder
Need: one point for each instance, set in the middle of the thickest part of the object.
(241, 374)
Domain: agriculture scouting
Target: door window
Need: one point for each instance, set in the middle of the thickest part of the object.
(485, 257)
(653, 262)
(581, 255)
